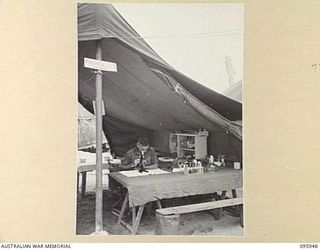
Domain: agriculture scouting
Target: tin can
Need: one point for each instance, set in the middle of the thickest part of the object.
(236, 165)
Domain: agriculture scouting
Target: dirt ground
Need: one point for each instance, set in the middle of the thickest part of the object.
(200, 223)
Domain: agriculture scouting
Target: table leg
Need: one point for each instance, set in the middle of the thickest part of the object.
(114, 204)
(83, 184)
(237, 207)
(137, 221)
(216, 196)
(241, 215)
(220, 210)
(123, 209)
(158, 204)
(234, 193)
(133, 215)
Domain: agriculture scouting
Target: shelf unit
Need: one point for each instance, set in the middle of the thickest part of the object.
(194, 144)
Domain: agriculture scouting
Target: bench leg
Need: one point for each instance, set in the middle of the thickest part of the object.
(167, 224)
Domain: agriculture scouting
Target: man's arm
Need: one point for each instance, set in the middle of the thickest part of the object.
(128, 161)
(154, 160)
(153, 166)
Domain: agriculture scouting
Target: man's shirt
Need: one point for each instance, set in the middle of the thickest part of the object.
(150, 156)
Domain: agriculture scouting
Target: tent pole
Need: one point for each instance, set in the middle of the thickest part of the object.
(98, 214)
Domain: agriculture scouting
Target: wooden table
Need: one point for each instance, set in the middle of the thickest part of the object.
(144, 189)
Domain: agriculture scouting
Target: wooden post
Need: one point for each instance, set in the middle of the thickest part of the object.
(98, 217)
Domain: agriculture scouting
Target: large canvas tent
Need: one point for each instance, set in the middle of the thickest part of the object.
(234, 92)
(146, 95)
(87, 129)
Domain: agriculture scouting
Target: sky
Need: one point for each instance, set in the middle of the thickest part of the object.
(193, 38)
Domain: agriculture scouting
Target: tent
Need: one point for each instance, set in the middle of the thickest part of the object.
(234, 92)
(146, 95)
(87, 129)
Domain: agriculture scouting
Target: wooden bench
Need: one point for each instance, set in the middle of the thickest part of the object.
(168, 218)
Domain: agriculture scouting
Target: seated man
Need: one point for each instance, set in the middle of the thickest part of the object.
(133, 157)
(132, 160)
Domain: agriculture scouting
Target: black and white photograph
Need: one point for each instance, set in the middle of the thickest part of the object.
(160, 112)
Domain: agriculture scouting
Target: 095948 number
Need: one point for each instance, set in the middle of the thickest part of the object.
(308, 245)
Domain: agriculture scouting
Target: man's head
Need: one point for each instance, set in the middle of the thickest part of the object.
(143, 143)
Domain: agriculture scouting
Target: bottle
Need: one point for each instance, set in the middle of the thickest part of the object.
(223, 163)
(211, 160)
(185, 169)
(194, 163)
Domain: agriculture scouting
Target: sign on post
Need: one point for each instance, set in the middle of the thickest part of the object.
(102, 65)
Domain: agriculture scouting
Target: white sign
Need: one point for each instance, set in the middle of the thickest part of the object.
(102, 65)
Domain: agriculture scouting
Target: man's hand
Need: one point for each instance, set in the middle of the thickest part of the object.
(127, 167)
(136, 162)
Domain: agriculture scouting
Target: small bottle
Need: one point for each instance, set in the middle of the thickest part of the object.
(211, 159)
(194, 163)
(198, 165)
(185, 169)
(223, 163)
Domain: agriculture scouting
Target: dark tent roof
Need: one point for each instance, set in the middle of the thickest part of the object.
(146, 94)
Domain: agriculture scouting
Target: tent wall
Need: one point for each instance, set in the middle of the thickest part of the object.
(123, 135)
(222, 143)
(87, 129)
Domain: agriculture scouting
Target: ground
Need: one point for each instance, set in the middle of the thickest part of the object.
(200, 223)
